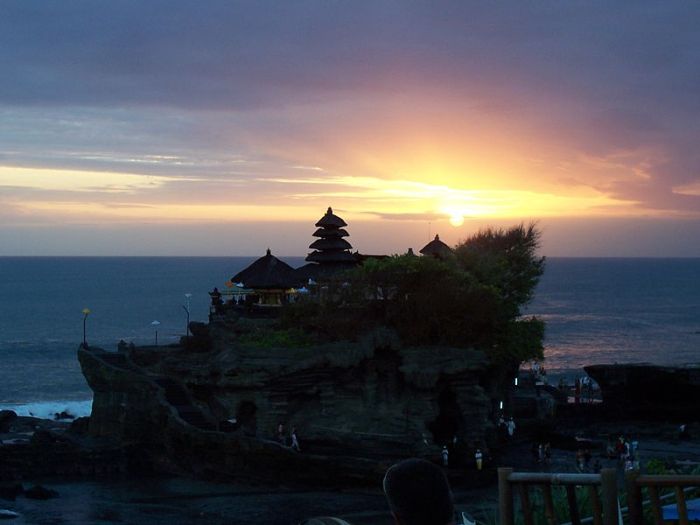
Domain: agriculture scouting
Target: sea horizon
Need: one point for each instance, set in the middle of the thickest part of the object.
(547, 257)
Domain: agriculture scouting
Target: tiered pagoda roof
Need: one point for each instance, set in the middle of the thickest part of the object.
(436, 248)
(330, 247)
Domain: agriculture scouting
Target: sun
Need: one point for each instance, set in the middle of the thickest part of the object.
(456, 219)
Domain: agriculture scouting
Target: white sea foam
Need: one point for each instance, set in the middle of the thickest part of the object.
(48, 409)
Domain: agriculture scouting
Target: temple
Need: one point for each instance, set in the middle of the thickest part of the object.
(269, 282)
(223, 401)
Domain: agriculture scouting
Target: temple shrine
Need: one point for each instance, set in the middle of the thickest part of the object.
(269, 282)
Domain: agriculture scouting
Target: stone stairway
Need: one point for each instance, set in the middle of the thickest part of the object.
(177, 396)
(117, 360)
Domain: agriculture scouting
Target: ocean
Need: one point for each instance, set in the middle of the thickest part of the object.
(596, 310)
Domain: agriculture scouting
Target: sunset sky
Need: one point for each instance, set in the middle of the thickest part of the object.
(222, 128)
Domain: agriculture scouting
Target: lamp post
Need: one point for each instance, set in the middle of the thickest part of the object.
(155, 325)
(86, 312)
(187, 310)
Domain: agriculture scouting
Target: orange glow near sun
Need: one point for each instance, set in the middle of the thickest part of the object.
(456, 220)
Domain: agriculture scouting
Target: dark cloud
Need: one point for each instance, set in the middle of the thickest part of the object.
(252, 54)
(211, 80)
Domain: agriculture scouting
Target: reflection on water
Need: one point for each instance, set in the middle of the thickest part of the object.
(619, 310)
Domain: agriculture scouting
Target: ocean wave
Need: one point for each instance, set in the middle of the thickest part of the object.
(569, 317)
(48, 409)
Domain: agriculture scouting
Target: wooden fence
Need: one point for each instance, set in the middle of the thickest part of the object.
(602, 493)
(603, 504)
(635, 482)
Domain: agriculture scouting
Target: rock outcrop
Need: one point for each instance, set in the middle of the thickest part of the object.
(648, 391)
(355, 405)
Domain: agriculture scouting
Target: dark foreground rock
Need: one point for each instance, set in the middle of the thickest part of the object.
(10, 491)
(37, 448)
(40, 492)
(6, 419)
(649, 392)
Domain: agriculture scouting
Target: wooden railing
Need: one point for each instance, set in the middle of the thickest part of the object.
(634, 482)
(604, 506)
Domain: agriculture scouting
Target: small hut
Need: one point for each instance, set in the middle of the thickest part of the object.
(270, 279)
(436, 248)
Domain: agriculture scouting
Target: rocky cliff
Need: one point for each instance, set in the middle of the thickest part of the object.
(214, 404)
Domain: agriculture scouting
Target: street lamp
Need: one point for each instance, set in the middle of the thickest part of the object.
(86, 312)
(187, 310)
(155, 325)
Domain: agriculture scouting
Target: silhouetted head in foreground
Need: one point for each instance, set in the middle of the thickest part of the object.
(418, 493)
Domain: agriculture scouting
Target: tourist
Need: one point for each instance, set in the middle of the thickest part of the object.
(445, 456)
(280, 434)
(635, 447)
(577, 391)
(511, 427)
(579, 460)
(534, 450)
(418, 493)
(587, 458)
(502, 428)
(479, 457)
(610, 449)
(295, 440)
(620, 448)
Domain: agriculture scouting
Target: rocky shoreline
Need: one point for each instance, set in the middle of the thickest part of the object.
(93, 487)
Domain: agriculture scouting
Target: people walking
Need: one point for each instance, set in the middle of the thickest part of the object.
(295, 440)
(479, 457)
(510, 426)
(445, 456)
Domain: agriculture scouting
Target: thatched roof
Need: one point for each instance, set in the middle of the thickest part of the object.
(326, 244)
(330, 221)
(268, 272)
(326, 233)
(436, 248)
